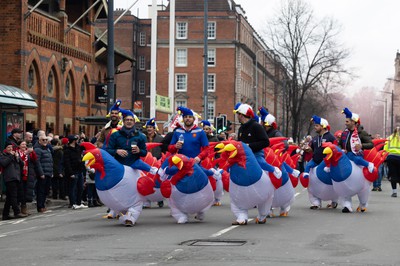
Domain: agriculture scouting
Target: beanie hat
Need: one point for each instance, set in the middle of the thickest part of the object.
(64, 141)
(353, 116)
(244, 109)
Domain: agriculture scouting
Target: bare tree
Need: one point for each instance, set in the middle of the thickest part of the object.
(310, 52)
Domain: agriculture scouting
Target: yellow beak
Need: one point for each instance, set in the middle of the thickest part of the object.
(329, 152)
(231, 148)
(90, 158)
(220, 147)
(178, 162)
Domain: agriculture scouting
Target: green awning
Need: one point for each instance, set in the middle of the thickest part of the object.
(12, 97)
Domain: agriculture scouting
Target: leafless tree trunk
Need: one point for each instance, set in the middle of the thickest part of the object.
(310, 52)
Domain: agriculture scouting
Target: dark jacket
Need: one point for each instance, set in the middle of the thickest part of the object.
(253, 134)
(316, 145)
(122, 140)
(45, 160)
(33, 172)
(73, 161)
(58, 161)
(212, 138)
(11, 167)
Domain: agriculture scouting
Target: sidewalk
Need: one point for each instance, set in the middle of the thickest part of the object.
(51, 204)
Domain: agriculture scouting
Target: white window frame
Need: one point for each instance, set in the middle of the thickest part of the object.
(181, 103)
(142, 87)
(212, 61)
(181, 30)
(211, 109)
(211, 30)
(142, 63)
(142, 38)
(176, 82)
(181, 57)
(211, 81)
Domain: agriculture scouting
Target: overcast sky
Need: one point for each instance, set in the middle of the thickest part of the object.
(370, 29)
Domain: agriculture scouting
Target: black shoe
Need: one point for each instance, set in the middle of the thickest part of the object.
(379, 189)
(345, 210)
(90, 205)
(374, 189)
(20, 215)
(160, 204)
(4, 218)
(394, 195)
(314, 207)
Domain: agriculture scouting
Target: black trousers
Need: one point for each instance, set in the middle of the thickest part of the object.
(12, 198)
(393, 163)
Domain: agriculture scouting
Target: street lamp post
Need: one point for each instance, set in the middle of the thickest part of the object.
(392, 107)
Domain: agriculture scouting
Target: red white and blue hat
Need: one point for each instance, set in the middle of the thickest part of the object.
(320, 121)
(244, 109)
(353, 116)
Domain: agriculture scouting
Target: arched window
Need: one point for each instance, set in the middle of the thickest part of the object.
(51, 82)
(68, 86)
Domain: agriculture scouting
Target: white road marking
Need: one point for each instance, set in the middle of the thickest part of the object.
(15, 232)
(223, 231)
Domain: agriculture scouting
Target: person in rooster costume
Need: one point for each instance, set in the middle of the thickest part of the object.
(187, 186)
(153, 136)
(353, 140)
(189, 139)
(249, 184)
(113, 125)
(119, 187)
(322, 128)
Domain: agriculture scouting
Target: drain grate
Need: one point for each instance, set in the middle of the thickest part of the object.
(208, 242)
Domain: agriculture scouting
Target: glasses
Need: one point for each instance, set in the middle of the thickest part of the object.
(43, 139)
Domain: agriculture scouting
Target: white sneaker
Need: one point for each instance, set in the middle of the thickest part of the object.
(83, 206)
(76, 207)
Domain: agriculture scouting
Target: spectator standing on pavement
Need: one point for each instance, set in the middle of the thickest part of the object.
(11, 164)
(29, 173)
(15, 138)
(58, 180)
(392, 146)
(45, 170)
(209, 129)
(74, 168)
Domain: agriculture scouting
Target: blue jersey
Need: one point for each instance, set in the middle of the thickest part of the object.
(194, 140)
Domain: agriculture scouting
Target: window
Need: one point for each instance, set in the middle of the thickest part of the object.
(181, 57)
(211, 30)
(142, 38)
(142, 63)
(142, 86)
(181, 82)
(181, 30)
(50, 82)
(211, 82)
(31, 77)
(181, 103)
(211, 57)
(67, 86)
(211, 109)
(83, 89)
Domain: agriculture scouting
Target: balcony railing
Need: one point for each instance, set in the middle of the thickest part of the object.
(45, 30)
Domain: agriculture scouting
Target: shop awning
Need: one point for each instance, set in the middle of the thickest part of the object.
(12, 97)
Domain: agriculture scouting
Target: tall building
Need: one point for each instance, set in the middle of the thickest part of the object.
(49, 50)
(241, 68)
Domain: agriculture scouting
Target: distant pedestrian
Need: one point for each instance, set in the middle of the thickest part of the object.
(392, 146)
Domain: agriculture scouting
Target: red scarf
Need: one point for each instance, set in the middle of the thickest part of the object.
(24, 158)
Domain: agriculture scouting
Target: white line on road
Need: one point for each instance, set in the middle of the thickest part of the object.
(223, 231)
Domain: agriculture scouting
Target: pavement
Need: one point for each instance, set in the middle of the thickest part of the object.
(50, 205)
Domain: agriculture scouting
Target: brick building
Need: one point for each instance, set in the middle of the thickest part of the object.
(234, 48)
(55, 63)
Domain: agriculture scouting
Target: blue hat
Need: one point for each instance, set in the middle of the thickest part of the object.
(126, 113)
(262, 112)
(205, 123)
(257, 118)
(116, 106)
(184, 111)
(353, 116)
(320, 121)
(151, 122)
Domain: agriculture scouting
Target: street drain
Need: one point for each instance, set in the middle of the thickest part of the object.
(208, 242)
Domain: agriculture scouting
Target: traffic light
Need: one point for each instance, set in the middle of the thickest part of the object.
(228, 125)
(219, 124)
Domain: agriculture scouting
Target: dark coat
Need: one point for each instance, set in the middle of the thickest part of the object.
(254, 134)
(33, 172)
(45, 160)
(11, 167)
(73, 161)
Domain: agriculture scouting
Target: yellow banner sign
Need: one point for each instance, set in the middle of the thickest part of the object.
(163, 104)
